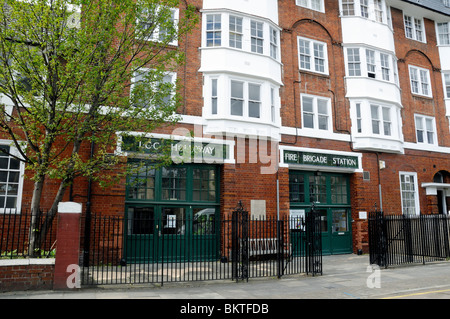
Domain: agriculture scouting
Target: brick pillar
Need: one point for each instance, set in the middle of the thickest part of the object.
(67, 246)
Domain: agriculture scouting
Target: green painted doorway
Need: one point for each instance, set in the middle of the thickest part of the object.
(329, 193)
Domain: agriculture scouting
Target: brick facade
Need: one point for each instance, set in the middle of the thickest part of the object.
(243, 180)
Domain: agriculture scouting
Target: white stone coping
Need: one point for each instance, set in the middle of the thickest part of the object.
(27, 262)
(69, 208)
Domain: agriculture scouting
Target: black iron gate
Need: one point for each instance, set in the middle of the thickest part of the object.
(255, 241)
(245, 248)
(400, 239)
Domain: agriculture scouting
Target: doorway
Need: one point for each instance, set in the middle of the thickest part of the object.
(172, 213)
(329, 195)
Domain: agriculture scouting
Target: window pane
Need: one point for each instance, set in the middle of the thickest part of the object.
(237, 96)
(204, 222)
(307, 104)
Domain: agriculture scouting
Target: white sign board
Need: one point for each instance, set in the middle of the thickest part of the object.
(297, 218)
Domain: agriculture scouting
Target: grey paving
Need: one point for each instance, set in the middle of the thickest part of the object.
(344, 277)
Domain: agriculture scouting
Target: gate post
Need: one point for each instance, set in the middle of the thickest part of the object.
(239, 253)
(67, 271)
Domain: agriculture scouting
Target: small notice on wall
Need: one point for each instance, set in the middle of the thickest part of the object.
(297, 218)
(171, 221)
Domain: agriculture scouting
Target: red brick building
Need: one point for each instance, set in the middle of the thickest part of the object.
(344, 105)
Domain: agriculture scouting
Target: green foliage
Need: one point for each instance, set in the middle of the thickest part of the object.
(67, 70)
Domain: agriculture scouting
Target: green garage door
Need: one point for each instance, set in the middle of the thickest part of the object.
(172, 213)
(330, 195)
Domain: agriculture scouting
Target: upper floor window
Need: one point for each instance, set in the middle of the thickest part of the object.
(257, 37)
(371, 63)
(420, 81)
(242, 98)
(159, 32)
(443, 33)
(381, 120)
(213, 30)
(144, 80)
(425, 129)
(316, 5)
(447, 85)
(446, 3)
(313, 55)
(273, 43)
(245, 99)
(241, 32)
(316, 112)
(236, 32)
(414, 28)
(370, 9)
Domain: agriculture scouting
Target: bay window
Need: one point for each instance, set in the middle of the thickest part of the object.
(369, 9)
(371, 63)
(230, 30)
(241, 98)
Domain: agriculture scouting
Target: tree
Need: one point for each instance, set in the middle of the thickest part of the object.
(77, 72)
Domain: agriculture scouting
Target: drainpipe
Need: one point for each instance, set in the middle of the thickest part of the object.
(379, 182)
(278, 197)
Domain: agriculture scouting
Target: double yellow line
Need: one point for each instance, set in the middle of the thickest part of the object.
(418, 294)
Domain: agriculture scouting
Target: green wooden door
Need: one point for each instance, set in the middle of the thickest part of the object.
(172, 214)
(330, 195)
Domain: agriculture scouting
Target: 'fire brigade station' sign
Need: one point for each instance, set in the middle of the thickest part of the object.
(319, 159)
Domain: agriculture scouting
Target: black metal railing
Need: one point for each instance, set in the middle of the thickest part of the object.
(15, 230)
(161, 251)
(400, 239)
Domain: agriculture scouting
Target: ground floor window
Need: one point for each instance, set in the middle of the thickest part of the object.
(409, 193)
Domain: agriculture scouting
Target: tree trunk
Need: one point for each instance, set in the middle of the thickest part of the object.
(34, 233)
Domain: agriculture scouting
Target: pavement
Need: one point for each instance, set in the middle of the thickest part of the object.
(344, 277)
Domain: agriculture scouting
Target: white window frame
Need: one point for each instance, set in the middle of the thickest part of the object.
(14, 151)
(315, 113)
(217, 38)
(313, 56)
(381, 119)
(410, 178)
(446, 82)
(311, 4)
(257, 36)
(246, 100)
(375, 10)
(425, 122)
(421, 77)
(155, 36)
(173, 75)
(371, 63)
(414, 28)
(443, 38)
(214, 96)
(236, 36)
(273, 42)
